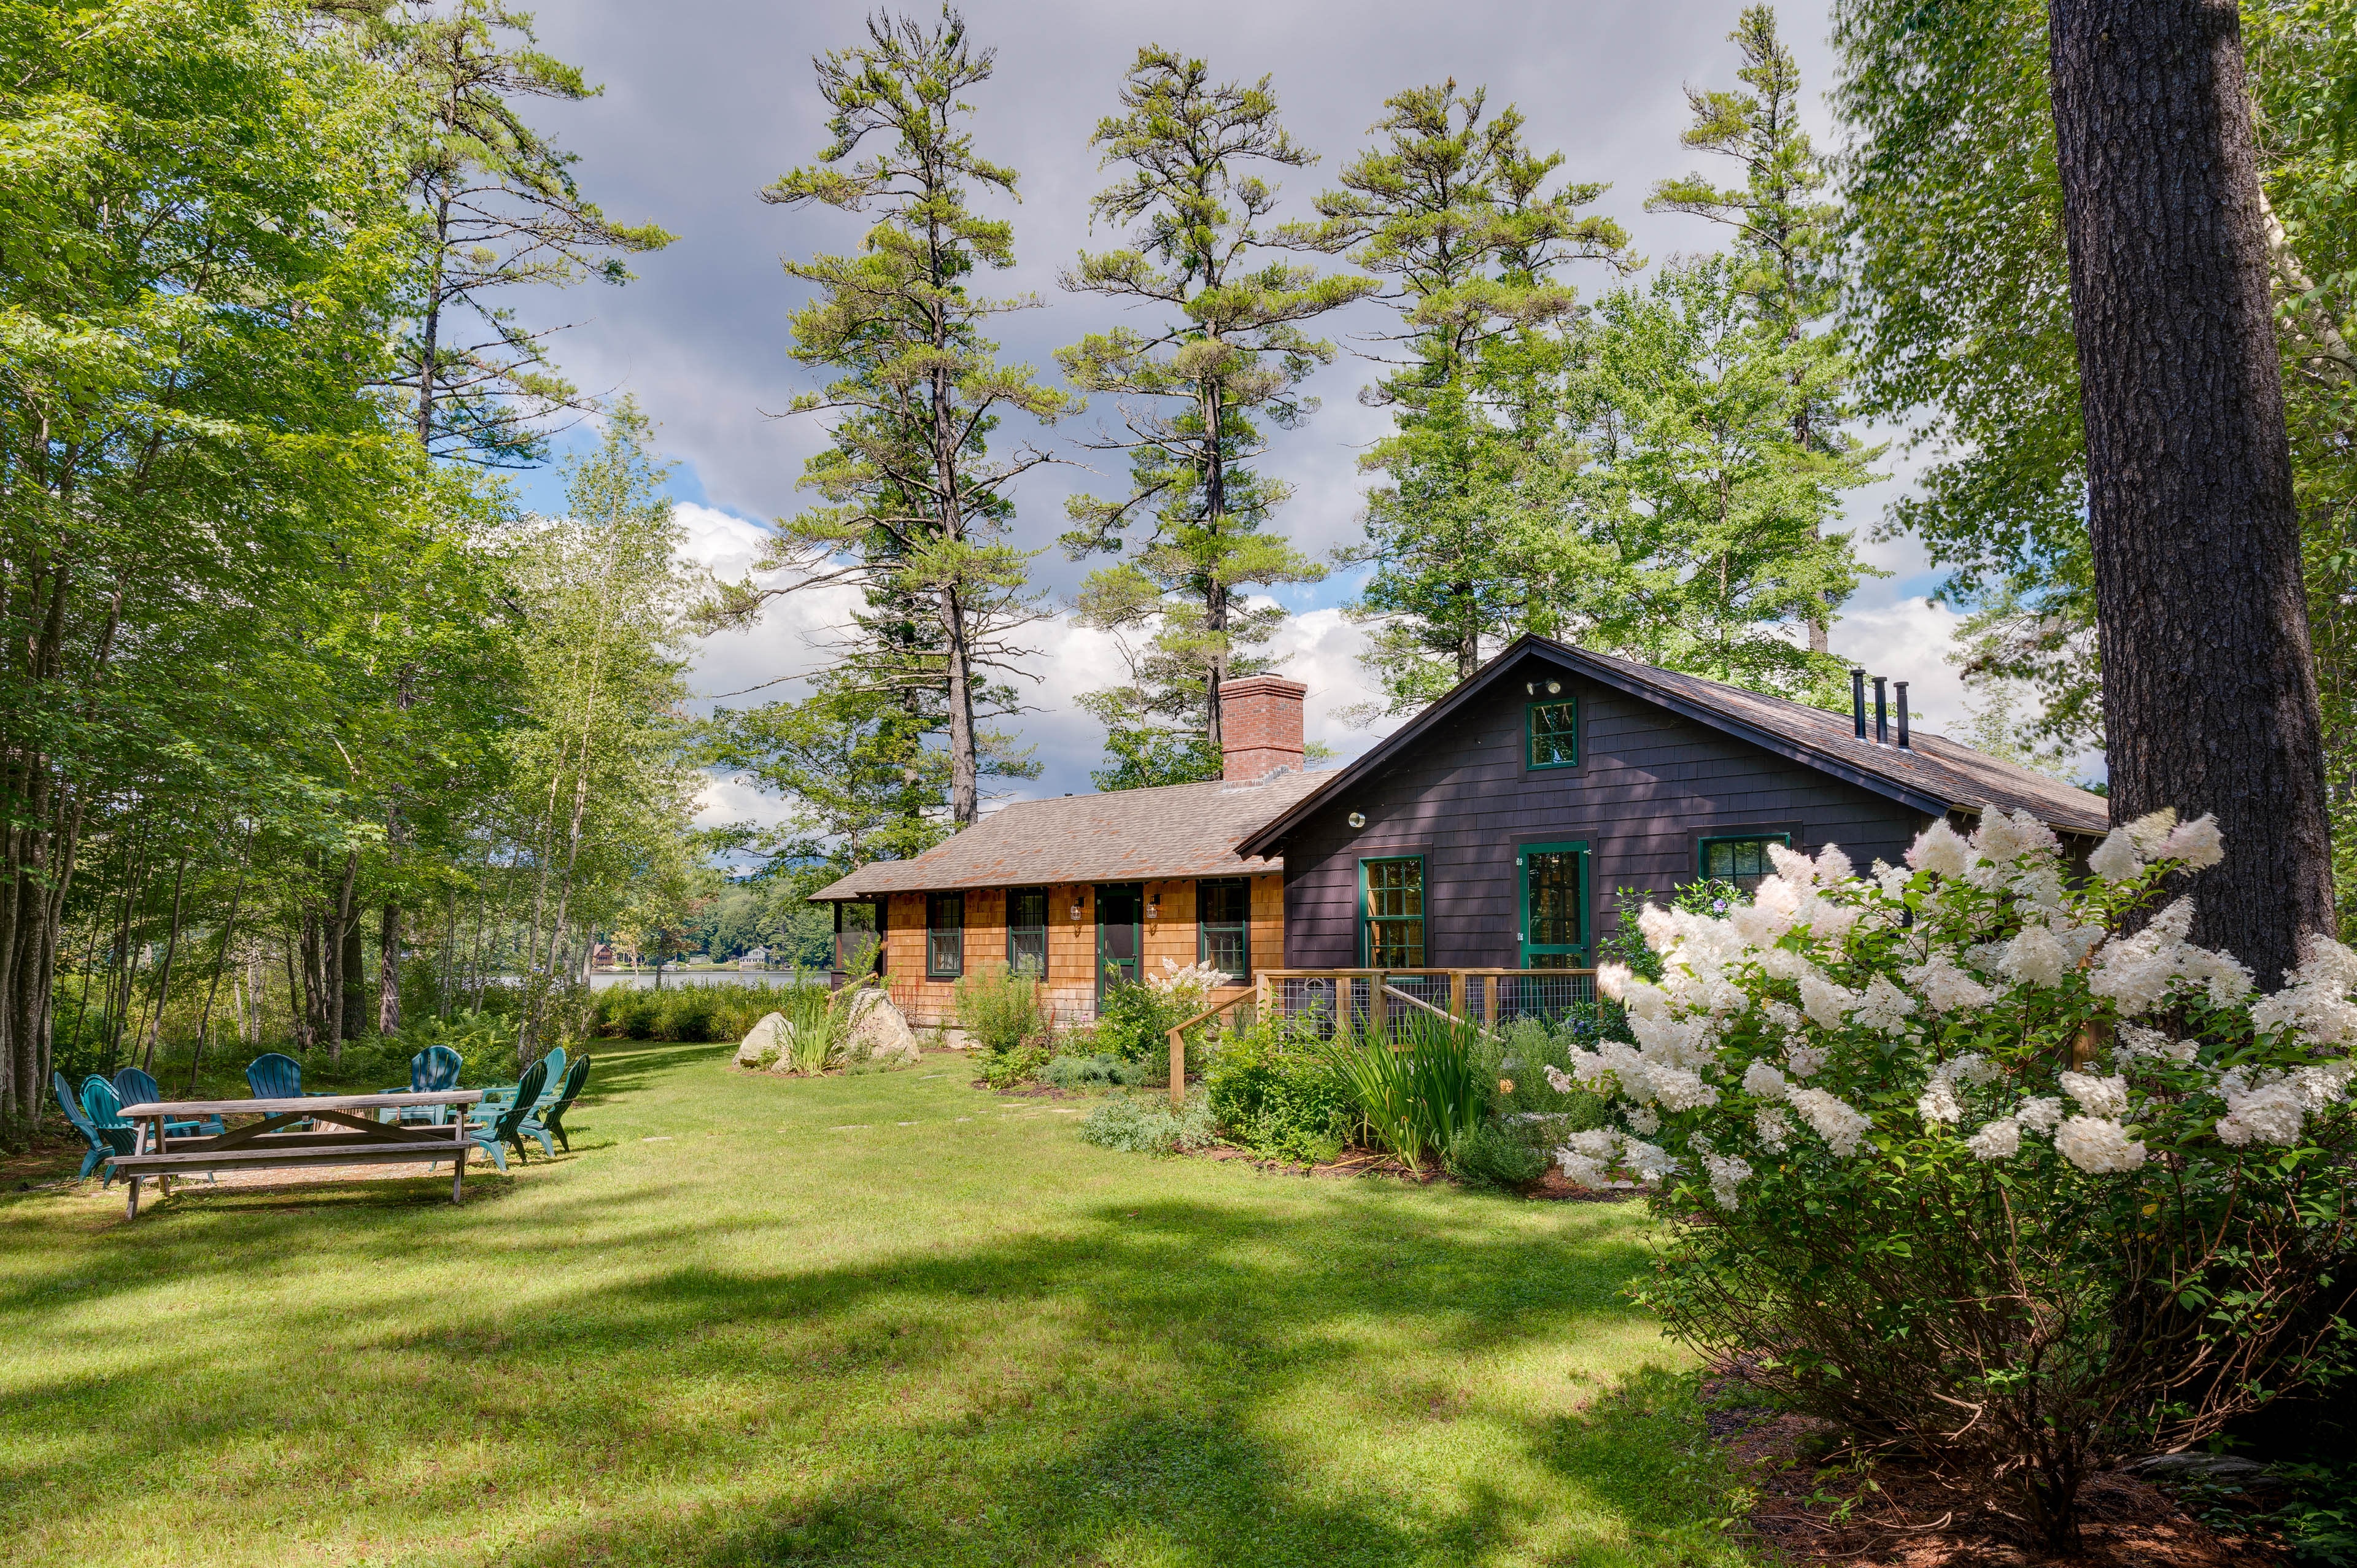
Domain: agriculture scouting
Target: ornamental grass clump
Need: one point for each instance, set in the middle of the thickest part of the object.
(1988, 1162)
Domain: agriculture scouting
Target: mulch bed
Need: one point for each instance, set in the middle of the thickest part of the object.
(1811, 1507)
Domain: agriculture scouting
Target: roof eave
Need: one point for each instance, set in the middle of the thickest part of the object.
(1258, 842)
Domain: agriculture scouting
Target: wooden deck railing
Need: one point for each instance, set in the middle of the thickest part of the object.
(1484, 997)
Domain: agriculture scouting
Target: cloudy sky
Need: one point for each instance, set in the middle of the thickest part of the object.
(707, 101)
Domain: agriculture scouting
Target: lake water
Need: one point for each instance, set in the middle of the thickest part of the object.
(608, 980)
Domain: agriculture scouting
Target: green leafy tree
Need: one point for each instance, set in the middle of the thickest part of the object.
(1784, 239)
(1691, 530)
(204, 248)
(497, 209)
(1230, 355)
(1961, 313)
(1453, 210)
(1960, 307)
(918, 506)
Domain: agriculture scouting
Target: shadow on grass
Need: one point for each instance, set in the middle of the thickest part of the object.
(1106, 1385)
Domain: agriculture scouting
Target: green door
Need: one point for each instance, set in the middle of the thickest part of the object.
(1120, 935)
(1555, 903)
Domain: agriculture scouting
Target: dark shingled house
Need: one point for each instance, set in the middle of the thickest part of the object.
(1481, 844)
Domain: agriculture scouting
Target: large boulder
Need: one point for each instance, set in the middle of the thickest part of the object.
(874, 1031)
(785, 1062)
(765, 1043)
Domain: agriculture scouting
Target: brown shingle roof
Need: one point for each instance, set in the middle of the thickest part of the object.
(1127, 835)
(1934, 774)
(1934, 764)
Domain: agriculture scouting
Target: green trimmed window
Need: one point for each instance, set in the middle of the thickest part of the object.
(944, 936)
(1027, 931)
(1740, 861)
(1554, 904)
(1223, 926)
(1391, 905)
(1554, 734)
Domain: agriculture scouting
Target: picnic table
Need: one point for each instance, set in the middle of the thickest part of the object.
(349, 1133)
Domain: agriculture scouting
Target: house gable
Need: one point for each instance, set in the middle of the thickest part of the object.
(1649, 784)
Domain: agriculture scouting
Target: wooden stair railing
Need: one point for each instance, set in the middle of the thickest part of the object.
(1235, 995)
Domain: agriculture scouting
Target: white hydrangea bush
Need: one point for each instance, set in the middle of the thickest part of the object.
(1982, 1153)
(1980, 1001)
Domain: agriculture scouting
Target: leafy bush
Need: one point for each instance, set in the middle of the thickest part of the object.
(486, 1042)
(1998, 1166)
(1087, 1072)
(1418, 1099)
(1004, 1015)
(1519, 1058)
(1134, 1023)
(1270, 1089)
(1147, 1125)
(691, 1013)
(1499, 1152)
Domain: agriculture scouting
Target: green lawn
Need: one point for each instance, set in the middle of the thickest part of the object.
(886, 1319)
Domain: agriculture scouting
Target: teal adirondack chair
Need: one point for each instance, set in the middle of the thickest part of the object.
(112, 1141)
(105, 1112)
(540, 1124)
(495, 1133)
(135, 1086)
(274, 1076)
(496, 1098)
(435, 1067)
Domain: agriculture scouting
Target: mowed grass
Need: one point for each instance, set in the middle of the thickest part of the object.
(888, 1319)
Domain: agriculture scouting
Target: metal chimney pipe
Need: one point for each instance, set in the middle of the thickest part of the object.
(1881, 713)
(1903, 717)
(1858, 700)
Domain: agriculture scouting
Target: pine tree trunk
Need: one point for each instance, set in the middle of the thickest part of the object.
(965, 792)
(2210, 697)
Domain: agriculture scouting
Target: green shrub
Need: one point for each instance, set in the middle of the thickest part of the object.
(1518, 1057)
(1418, 1098)
(999, 1010)
(1090, 1071)
(817, 1019)
(1499, 1152)
(1004, 1015)
(692, 1014)
(1134, 1023)
(1271, 1090)
(1139, 1124)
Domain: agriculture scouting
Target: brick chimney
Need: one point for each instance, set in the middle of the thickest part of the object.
(1260, 727)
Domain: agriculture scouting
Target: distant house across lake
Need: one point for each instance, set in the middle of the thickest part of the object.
(1488, 836)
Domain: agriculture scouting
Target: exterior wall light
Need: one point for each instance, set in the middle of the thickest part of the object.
(1076, 908)
(1358, 819)
(1154, 907)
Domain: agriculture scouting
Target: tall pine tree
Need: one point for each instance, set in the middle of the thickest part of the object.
(1454, 209)
(918, 509)
(1784, 240)
(1230, 355)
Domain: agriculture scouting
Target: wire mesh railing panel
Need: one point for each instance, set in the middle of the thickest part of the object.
(1396, 1002)
(1547, 994)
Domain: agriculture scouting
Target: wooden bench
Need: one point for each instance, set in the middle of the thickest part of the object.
(358, 1138)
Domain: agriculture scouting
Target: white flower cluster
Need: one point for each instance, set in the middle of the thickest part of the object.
(1589, 1158)
(1871, 981)
(1192, 984)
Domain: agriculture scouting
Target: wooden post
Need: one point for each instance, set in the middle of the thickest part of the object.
(1489, 1000)
(1457, 995)
(1178, 1069)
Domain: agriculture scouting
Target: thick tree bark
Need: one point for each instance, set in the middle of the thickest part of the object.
(2209, 688)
